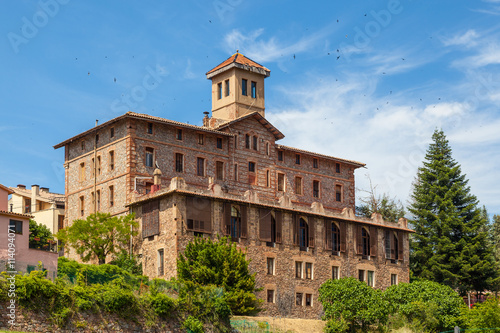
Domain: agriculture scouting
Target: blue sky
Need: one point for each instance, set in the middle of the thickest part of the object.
(368, 81)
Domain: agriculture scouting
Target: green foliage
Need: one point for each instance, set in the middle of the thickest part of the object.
(194, 325)
(350, 304)
(425, 305)
(390, 209)
(128, 262)
(99, 235)
(450, 244)
(222, 264)
(41, 233)
(483, 315)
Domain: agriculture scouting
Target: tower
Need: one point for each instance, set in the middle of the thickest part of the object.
(237, 87)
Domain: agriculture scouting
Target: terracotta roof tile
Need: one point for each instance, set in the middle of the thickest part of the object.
(358, 164)
(44, 196)
(261, 119)
(238, 58)
(4, 212)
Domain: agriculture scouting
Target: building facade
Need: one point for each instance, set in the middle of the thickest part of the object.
(46, 207)
(291, 210)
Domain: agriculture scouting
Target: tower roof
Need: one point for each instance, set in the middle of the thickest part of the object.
(240, 61)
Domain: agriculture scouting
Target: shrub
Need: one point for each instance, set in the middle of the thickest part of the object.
(193, 324)
(483, 315)
(350, 304)
(162, 304)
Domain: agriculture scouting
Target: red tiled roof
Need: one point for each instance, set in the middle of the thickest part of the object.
(238, 58)
(42, 195)
(357, 164)
(4, 212)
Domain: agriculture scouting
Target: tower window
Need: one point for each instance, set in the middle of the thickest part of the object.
(149, 157)
(251, 166)
(316, 188)
(315, 163)
(150, 128)
(219, 90)
(254, 89)
(227, 87)
(338, 193)
(297, 159)
(337, 167)
(244, 87)
(179, 134)
(219, 170)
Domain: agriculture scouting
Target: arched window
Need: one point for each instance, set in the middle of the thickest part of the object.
(303, 233)
(365, 236)
(235, 223)
(335, 238)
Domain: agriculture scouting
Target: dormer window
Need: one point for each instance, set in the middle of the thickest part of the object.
(244, 87)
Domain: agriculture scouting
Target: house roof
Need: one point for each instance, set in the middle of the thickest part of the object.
(357, 219)
(135, 115)
(270, 127)
(5, 188)
(355, 163)
(42, 195)
(238, 60)
(27, 216)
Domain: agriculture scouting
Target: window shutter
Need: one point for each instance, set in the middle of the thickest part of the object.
(265, 225)
(243, 211)
(295, 229)
(310, 227)
(373, 241)
(328, 234)
(226, 227)
(359, 239)
(400, 245)
(389, 247)
(342, 226)
(199, 210)
(279, 223)
(151, 218)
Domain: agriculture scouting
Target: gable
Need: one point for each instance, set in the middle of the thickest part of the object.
(253, 121)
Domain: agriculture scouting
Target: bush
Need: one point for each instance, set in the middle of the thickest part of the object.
(193, 324)
(350, 304)
(483, 315)
(426, 305)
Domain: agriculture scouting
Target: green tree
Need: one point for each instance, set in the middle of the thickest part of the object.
(390, 208)
(350, 304)
(39, 235)
(449, 245)
(222, 264)
(99, 235)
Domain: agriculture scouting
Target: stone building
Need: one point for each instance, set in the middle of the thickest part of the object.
(291, 210)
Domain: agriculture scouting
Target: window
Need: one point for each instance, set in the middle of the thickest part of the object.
(82, 145)
(219, 90)
(270, 296)
(254, 89)
(179, 162)
(316, 188)
(361, 275)
(219, 170)
(297, 159)
(199, 215)
(281, 182)
(251, 166)
(254, 146)
(298, 185)
(161, 260)
(150, 156)
(96, 139)
(227, 87)
(365, 236)
(98, 203)
(92, 194)
(111, 160)
(308, 299)
(298, 299)
(303, 234)
(247, 141)
(16, 226)
(235, 226)
(335, 238)
(338, 193)
(82, 172)
(244, 87)
(111, 196)
(391, 246)
(298, 269)
(179, 134)
(371, 278)
(268, 178)
(337, 167)
(267, 148)
(315, 163)
(60, 222)
(150, 128)
(394, 279)
(335, 272)
(93, 168)
(219, 143)
(200, 166)
(280, 155)
(27, 205)
(270, 266)
(236, 172)
(82, 205)
(309, 270)
(99, 165)
(200, 138)
(111, 132)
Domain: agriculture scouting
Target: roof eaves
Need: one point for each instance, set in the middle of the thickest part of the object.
(355, 163)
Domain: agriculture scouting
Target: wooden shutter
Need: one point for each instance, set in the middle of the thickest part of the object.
(328, 234)
(359, 239)
(151, 218)
(295, 229)
(226, 226)
(310, 227)
(200, 211)
(400, 245)
(265, 225)
(279, 222)
(373, 241)
(343, 226)
(243, 211)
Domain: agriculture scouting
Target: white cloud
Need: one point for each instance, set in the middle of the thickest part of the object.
(442, 110)
(468, 39)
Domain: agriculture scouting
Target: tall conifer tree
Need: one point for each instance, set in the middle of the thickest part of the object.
(450, 242)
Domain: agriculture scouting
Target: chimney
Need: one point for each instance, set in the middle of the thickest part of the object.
(21, 186)
(35, 189)
(156, 180)
(44, 189)
(206, 119)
